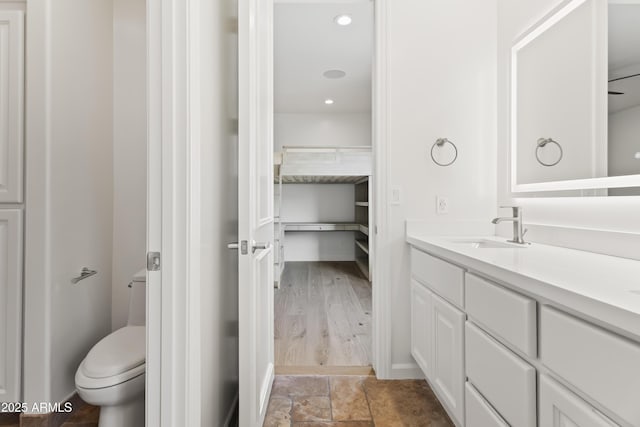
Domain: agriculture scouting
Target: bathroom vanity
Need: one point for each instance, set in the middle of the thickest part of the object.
(526, 335)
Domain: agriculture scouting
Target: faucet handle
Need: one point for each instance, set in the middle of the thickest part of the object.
(517, 210)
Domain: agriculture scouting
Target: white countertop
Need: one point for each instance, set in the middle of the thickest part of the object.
(597, 287)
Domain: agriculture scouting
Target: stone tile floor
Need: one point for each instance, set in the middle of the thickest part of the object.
(353, 401)
(83, 415)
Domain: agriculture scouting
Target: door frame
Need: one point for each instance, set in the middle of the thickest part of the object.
(381, 284)
(173, 360)
(173, 213)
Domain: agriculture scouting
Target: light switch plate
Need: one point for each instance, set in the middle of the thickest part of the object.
(396, 195)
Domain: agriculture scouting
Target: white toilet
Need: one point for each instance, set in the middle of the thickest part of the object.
(112, 375)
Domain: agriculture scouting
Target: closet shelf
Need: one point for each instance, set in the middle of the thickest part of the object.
(363, 229)
(323, 165)
(321, 226)
(366, 204)
(364, 245)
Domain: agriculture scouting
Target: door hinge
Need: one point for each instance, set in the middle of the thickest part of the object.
(153, 261)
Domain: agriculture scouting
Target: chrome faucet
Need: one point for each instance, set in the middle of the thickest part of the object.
(518, 234)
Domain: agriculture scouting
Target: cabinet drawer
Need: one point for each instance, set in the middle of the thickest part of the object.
(445, 279)
(505, 380)
(559, 407)
(478, 412)
(601, 364)
(505, 313)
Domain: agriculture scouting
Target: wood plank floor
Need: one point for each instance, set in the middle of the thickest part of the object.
(323, 315)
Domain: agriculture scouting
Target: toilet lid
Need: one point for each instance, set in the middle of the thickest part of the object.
(116, 353)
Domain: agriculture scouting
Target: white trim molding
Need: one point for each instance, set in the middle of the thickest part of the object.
(382, 314)
(174, 165)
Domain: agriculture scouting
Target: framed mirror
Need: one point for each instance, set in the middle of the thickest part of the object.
(575, 101)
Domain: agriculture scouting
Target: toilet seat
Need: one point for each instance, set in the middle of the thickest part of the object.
(117, 358)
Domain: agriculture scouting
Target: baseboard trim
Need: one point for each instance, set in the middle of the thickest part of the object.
(406, 371)
(232, 411)
(325, 370)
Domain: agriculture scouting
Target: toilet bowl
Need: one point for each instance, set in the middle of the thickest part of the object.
(112, 375)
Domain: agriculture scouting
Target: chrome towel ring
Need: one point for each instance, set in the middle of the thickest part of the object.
(542, 142)
(440, 142)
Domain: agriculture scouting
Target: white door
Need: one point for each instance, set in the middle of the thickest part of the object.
(448, 360)
(255, 204)
(561, 408)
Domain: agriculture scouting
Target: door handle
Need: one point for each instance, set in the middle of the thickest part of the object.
(263, 245)
(242, 246)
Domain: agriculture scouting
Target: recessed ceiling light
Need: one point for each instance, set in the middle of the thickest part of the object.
(637, 155)
(334, 74)
(328, 101)
(343, 20)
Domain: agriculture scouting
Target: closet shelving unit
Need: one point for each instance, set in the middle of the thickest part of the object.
(325, 165)
(363, 196)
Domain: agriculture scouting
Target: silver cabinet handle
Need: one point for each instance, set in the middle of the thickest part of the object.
(262, 245)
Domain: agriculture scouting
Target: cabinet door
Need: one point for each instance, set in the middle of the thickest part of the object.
(448, 356)
(11, 105)
(561, 408)
(10, 303)
(421, 326)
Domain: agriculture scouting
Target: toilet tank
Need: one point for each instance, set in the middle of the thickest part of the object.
(138, 300)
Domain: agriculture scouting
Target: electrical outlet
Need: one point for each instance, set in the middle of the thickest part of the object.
(442, 205)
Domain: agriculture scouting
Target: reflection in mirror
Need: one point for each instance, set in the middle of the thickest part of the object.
(554, 72)
(624, 92)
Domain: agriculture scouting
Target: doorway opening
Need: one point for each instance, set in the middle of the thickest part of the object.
(323, 178)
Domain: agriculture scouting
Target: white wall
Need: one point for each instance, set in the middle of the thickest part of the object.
(442, 71)
(69, 190)
(129, 150)
(316, 203)
(219, 212)
(13, 5)
(600, 224)
(311, 203)
(345, 129)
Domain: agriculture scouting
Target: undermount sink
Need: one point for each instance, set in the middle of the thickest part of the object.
(488, 244)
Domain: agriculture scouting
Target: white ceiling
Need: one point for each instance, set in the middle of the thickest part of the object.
(624, 55)
(308, 42)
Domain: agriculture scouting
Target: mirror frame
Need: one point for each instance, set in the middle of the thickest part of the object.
(599, 87)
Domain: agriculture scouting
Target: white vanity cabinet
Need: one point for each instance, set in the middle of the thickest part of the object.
(561, 408)
(437, 341)
(478, 412)
(421, 327)
(497, 354)
(603, 365)
(448, 355)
